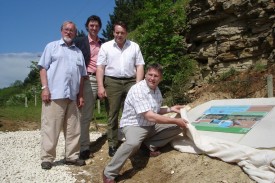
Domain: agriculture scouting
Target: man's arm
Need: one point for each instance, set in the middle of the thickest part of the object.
(100, 70)
(175, 108)
(45, 95)
(157, 118)
(140, 73)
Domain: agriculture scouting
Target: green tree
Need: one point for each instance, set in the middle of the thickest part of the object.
(161, 38)
(81, 33)
(17, 83)
(126, 11)
(33, 76)
(9, 92)
(16, 93)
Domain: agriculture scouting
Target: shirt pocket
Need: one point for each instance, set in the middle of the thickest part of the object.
(79, 62)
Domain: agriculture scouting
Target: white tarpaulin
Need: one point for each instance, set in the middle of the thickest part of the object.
(258, 164)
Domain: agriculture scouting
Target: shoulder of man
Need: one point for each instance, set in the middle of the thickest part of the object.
(132, 43)
(107, 43)
(139, 85)
(53, 44)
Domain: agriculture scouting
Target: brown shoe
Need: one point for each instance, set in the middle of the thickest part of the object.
(106, 180)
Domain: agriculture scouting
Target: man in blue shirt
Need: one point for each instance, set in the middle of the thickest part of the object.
(62, 68)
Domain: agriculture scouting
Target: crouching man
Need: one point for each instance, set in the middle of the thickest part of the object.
(142, 122)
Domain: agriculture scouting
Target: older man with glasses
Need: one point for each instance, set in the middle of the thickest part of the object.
(62, 68)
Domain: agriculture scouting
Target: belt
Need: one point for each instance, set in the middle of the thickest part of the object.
(91, 73)
(112, 77)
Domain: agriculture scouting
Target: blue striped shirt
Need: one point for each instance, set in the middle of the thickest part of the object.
(65, 66)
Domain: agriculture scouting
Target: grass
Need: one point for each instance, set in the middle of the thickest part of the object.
(21, 113)
(260, 67)
(33, 113)
(101, 117)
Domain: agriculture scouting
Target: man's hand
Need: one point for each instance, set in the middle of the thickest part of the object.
(80, 102)
(100, 70)
(181, 122)
(176, 108)
(45, 95)
(101, 93)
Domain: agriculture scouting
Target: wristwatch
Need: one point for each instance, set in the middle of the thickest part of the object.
(43, 87)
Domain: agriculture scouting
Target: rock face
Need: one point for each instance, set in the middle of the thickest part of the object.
(228, 34)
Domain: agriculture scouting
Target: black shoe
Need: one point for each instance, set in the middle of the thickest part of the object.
(112, 151)
(84, 155)
(144, 150)
(46, 165)
(76, 162)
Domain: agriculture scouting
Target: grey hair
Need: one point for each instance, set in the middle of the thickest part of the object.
(68, 22)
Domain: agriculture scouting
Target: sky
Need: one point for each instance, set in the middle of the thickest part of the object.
(28, 25)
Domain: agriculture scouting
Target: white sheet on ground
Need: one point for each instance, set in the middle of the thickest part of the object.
(258, 164)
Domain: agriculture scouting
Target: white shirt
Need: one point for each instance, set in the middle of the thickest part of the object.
(140, 99)
(120, 63)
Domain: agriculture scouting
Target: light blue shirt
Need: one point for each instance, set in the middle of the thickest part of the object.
(120, 63)
(65, 66)
(140, 99)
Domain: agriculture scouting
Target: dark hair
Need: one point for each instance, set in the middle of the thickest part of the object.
(155, 66)
(93, 18)
(122, 24)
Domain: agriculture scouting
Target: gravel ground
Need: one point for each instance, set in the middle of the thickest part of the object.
(20, 159)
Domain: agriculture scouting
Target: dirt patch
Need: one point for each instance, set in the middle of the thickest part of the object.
(9, 125)
(171, 166)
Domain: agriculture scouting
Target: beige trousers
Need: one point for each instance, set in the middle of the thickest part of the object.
(61, 114)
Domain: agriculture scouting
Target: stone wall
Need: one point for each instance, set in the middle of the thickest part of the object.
(228, 34)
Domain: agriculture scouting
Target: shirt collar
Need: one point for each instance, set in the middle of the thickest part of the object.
(146, 87)
(62, 42)
(91, 40)
(127, 43)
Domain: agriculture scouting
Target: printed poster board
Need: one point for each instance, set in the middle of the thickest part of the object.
(232, 118)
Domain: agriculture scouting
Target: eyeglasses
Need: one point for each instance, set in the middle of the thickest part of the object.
(69, 30)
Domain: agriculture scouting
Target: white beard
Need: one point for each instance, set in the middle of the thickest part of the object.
(67, 40)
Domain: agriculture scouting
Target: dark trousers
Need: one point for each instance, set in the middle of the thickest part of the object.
(116, 90)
